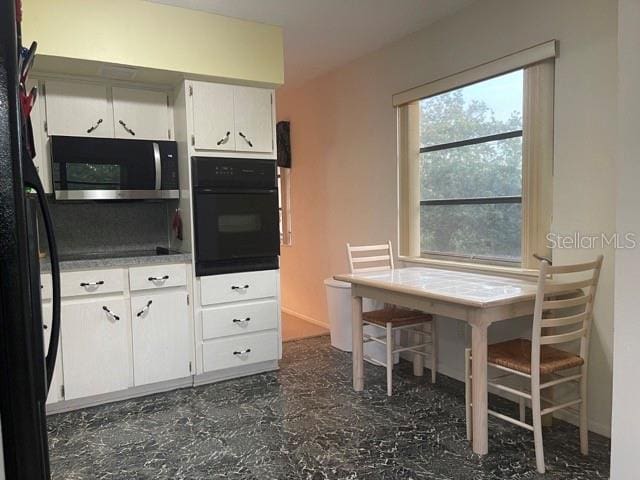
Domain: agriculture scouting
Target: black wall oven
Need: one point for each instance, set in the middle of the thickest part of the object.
(236, 220)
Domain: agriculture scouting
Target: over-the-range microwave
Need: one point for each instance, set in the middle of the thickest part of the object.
(85, 168)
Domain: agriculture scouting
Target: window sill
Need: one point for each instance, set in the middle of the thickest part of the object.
(472, 267)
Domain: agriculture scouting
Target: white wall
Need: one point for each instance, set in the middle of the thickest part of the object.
(626, 359)
(344, 179)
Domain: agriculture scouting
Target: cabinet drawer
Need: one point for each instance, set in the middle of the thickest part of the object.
(235, 319)
(157, 276)
(46, 288)
(236, 287)
(94, 282)
(240, 350)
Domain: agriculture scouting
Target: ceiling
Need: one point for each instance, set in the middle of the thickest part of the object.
(320, 35)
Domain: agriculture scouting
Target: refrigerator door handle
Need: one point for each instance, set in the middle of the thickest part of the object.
(32, 180)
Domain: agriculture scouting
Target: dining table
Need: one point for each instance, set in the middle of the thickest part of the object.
(479, 299)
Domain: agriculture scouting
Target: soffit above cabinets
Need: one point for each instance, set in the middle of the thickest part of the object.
(165, 44)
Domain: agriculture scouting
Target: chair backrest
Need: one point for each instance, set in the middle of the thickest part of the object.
(564, 306)
(370, 258)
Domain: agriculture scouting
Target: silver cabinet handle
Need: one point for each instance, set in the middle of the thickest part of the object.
(240, 320)
(224, 139)
(242, 352)
(144, 309)
(235, 287)
(92, 284)
(94, 126)
(246, 139)
(158, 279)
(110, 313)
(127, 129)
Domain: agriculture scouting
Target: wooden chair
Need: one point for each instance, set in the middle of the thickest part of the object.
(563, 314)
(420, 326)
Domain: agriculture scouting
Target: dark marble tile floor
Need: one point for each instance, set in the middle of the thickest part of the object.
(306, 422)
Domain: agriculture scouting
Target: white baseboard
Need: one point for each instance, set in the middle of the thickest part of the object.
(306, 318)
(235, 372)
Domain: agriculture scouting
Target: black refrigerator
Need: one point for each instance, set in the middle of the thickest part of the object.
(25, 368)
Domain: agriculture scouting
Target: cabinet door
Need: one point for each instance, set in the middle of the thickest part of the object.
(140, 114)
(78, 109)
(213, 116)
(253, 119)
(162, 339)
(96, 347)
(55, 390)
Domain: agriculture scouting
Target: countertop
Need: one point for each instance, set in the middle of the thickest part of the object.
(115, 259)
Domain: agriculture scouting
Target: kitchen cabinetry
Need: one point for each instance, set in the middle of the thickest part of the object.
(161, 336)
(41, 160)
(96, 346)
(120, 328)
(239, 319)
(78, 109)
(140, 114)
(99, 110)
(231, 118)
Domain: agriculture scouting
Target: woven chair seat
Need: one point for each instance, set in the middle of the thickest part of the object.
(399, 317)
(516, 355)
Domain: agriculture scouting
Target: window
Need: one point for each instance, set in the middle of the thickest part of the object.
(471, 171)
(284, 204)
(476, 162)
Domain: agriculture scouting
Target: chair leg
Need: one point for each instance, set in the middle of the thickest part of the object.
(584, 426)
(537, 427)
(389, 359)
(418, 360)
(467, 392)
(522, 406)
(434, 350)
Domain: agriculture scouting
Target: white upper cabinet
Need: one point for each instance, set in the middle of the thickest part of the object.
(213, 116)
(253, 124)
(78, 109)
(140, 114)
(231, 118)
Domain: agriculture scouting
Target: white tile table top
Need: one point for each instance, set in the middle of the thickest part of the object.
(474, 289)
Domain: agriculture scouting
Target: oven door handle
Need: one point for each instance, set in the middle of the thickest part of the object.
(158, 165)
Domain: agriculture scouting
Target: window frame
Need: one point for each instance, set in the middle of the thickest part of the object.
(538, 65)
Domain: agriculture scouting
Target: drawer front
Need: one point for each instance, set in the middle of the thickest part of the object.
(236, 287)
(236, 319)
(93, 282)
(46, 287)
(240, 350)
(157, 276)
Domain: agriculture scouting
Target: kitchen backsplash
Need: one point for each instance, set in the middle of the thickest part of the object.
(109, 226)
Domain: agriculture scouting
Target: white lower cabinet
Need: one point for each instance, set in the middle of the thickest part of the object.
(96, 347)
(162, 339)
(240, 350)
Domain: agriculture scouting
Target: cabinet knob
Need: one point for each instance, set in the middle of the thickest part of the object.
(224, 139)
(110, 313)
(242, 352)
(144, 309)
(92, 284)
(158, 279)
(127, 129)
(246, 139)
(94, 126)
(240, 320)
(236, 287)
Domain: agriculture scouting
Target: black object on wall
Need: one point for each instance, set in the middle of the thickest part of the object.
(283, 140)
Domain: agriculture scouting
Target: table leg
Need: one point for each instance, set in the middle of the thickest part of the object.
(357, 344)
(479, 388)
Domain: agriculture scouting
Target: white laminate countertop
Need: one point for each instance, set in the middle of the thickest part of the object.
(473, 289)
